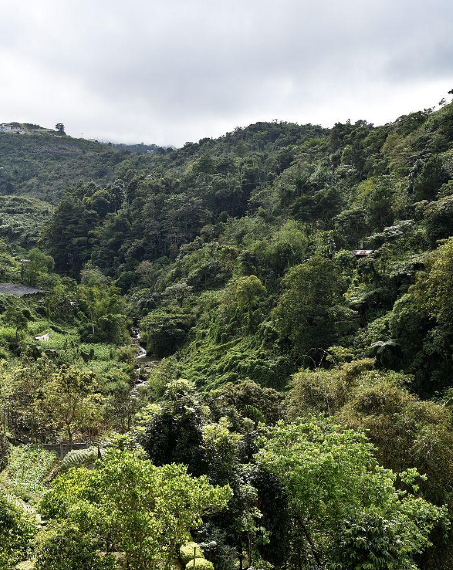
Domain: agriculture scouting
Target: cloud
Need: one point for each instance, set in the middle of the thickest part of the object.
(179, 70)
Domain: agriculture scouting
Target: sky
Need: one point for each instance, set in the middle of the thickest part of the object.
(172, 71)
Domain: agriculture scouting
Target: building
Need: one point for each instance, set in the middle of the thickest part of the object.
(362, 252)
(11, 128)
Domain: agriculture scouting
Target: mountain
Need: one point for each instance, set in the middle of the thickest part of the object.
(42, 163)
(289, 293)
(353, 209)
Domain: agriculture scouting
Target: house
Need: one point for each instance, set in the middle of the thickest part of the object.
(362, 252)
(11, 128)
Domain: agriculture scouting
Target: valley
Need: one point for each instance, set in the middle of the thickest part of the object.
(242, 345)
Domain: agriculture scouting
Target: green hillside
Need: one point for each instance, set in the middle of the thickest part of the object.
(267, 208)
(247, 340)
(42, 163)
(22, 219)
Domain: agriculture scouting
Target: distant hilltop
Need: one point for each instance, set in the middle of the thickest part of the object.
(31, 129)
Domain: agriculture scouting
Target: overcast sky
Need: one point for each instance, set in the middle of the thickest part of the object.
(171, 71)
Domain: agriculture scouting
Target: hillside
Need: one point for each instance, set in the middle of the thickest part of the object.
(22, 219)
(42, 164)
(250, 338)
(259, 202)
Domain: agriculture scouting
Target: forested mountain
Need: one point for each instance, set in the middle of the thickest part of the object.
(42, 163)
(293, 288)
(258, 214)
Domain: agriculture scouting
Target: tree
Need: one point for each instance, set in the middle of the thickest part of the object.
(221, 447)
(16, 317)
(63, 546)
(245, 399)
(434, 287)
(241, 305)
(60, 128)
(165, 330)
(175, 433)
(287, 248)
(309, 310)
(128, 505)
(347, 510)
(71, 403)
(68, 237)
(103, 311)
(376, 401)
(20, 389)
(39, 264)
(4, 449)
(429, 179)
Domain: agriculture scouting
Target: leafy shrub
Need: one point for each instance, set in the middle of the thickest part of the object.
(200, 564)
(16, 531)
(62, 546)
(186, 552)
(79, 458)
(439, 223)
(4, 451)
(164, 332)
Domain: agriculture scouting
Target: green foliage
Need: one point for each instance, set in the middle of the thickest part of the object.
(16, 532)
(79, 458)
(62, 546)
(241, 259)
(221, 447)
(334, 484)
(439, 219)
(16, 317)
(189, 551)
(377, 402)
(427, 178)
(141, 510)
(29, 470)
(200, 564)
(71, 403)
(174, 434)
(102, 310)
(32, 163)
(4, 450)
(21, 219)
(245, 399)
(288, 247)
(164, 331)
(435, 287)
(309, 310)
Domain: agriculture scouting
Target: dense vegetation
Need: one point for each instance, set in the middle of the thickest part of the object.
(42, 163)
(293, 287)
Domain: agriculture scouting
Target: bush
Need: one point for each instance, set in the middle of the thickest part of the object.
(200, 564)
(439, 217)
(164, 332)
(79, 458)
(4, 451)
(16, 531)
(186, 552)
(62, 546)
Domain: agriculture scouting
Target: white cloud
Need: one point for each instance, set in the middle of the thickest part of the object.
(179, 70)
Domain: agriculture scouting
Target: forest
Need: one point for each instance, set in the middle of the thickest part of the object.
(232, 355)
